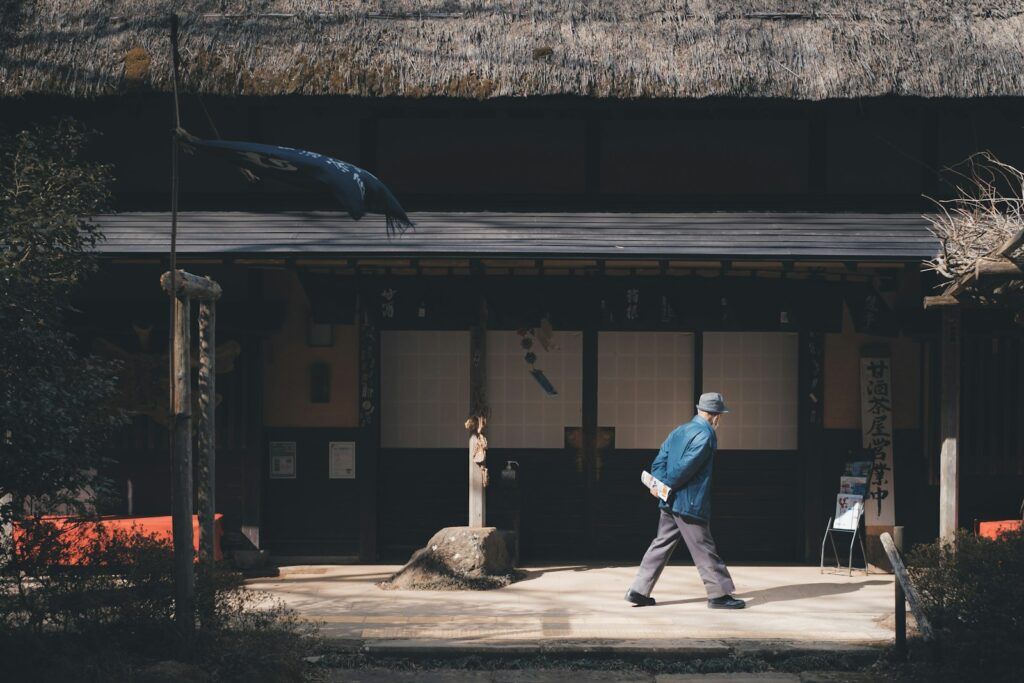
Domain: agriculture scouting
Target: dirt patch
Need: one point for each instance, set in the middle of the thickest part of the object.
(428, 573)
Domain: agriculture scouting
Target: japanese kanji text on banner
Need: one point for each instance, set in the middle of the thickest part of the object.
(877, 432)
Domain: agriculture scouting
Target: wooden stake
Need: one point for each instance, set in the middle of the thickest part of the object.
(949, 460)
(184, 577)
(206, 468)
(903, 579)
(901, 600)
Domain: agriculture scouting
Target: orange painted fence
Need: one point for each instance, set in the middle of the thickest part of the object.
(80, 533)
(994, 530)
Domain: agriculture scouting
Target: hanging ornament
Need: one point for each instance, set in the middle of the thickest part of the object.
(632, 304)
(544, 335)
(387, 304)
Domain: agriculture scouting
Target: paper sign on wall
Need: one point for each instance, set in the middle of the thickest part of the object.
(342, 460)
(282, 460)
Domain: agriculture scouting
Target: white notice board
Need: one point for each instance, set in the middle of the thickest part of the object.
(283, 458)
(849, 508)
(342, 460)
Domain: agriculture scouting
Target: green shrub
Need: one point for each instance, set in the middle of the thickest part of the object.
(100, 606)
(973, 593)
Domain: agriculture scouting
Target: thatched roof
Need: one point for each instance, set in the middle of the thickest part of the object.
(810, 49)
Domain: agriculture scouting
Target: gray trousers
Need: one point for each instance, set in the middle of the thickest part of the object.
(671, 528)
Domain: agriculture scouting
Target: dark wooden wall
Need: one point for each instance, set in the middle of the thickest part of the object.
(992, 424)
(312, 514)
(564, 153)
(756, 517)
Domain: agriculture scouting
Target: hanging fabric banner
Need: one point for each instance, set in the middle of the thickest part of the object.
(877, 436)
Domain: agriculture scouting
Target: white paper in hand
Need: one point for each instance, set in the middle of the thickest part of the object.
(649, 480)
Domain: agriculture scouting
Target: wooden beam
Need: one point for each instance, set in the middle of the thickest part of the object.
(261, 261)
(992, 266)
(949, 429)
(960, 284)
(192, 286)
(941, 300)
(997, 267)
(1011, 245)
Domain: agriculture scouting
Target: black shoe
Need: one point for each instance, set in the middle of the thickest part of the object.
(726, 602)
(639, 600)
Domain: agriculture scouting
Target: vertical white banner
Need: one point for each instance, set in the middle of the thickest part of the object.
(877, 436)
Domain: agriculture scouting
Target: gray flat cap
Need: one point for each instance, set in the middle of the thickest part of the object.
(712, 402)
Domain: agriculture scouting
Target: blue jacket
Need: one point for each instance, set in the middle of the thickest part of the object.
(684, 464)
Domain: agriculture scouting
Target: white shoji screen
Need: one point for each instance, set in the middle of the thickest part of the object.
(424, 379)
(644, 385)
(522, 415)
(756, 372)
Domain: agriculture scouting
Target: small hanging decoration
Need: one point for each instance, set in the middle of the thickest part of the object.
(544, 382)
(607, 316)
(632, 304)
(543, 334)
(387, 304)
(726, 312)
(667, 313)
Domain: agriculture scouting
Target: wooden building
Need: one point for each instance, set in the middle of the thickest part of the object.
(720, 198)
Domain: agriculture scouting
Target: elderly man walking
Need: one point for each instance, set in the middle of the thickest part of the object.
(684, 463)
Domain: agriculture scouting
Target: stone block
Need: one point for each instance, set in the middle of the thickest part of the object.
(458, 558)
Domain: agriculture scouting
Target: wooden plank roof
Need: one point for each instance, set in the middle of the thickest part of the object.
(775, 236)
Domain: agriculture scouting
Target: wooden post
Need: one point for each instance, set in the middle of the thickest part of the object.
(477, 499)
(901, 601)
(478, 407)
(591, 466)
(811, 435)
(184, 578)
(367, 458)
(206, 466)
(903, 579)
(949, 460)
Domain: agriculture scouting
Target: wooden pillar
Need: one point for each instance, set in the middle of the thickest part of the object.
(254, 450)
(184, 578)
(206, 465)
(478, 407)
(591, 467)
(949, 426)
(367, 456)
(811, 438)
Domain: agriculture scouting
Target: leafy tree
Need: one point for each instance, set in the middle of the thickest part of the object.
(54, 399)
